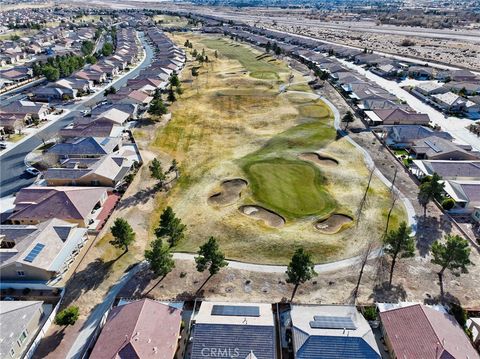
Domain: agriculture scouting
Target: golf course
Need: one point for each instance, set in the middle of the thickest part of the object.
(262, 167)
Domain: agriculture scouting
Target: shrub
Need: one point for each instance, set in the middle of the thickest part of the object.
(460, 314)
(370, 313)
(66, 317)
(448, 204)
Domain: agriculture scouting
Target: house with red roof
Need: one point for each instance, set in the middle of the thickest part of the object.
(421, 332)
(141, 329)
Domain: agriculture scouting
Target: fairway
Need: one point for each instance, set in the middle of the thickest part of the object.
(260, 67)
(293, 189)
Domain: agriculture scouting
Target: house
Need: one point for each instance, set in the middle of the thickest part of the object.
(387, 70)
(108, 171)
(403, 136)
(21, 322)
(448, 170)
(396, 116)
(240, 330)
(139, 330)
(40, 252)
(78, 205)
(130, 96)
(420, 72)
(436, 148)
(469, 88)
(88, 127)
(472, 107)
(330, 332)
(91, 75)
(418, 331)
(86, 147)
(52, 92)
(466, 195)
(118, 112)
(24, 107)
(381, 104)
(429, 88)
(450, 102)
(10, 123)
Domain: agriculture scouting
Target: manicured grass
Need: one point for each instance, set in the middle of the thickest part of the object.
(292, 188)
(260, 67)
(318, 110)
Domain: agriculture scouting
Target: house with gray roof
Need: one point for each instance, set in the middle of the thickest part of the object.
(403, 136)
(21, 323)
(466, 195)
(108, 171)
(234, 330)
(86, 147)
(331, 332)
(396, 116)
(40, 252)
(448, 170)
(436, 148)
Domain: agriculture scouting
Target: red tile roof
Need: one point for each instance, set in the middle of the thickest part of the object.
(420, 332)
(141, 329)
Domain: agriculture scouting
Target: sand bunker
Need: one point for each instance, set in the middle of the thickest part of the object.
(230, 192)
(333, 224)
(318, 158)
(270, 218)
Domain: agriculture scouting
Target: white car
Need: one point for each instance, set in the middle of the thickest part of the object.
(33, 171)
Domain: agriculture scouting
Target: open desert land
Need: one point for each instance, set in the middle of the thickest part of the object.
(262, 169)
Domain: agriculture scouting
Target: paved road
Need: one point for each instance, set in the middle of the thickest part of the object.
(12, 167)
(18, 93)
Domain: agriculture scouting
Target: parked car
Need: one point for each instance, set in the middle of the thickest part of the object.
(2, 146)
(33, 171)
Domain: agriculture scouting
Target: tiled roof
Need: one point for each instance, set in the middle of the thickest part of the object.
(142, 329)
(421, 332)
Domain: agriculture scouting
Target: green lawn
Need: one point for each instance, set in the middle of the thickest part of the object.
(291, 188)
(260, 67)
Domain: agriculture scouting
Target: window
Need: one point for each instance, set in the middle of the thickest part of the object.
(12, 353)
(20, 273)
(22, 338)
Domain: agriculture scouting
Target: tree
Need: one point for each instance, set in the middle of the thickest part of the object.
(123, 234)
(194, 71)
(51, 73)
(160, 259)
(453, 255)
(90, 59)
(216, 54)
(171, 95)
(67, 316)
(157, 107)
(110, 90)
(429, 190)
(347, 118)
(210, 257)
(156, 171)
(173, 79)
(278, 50)
(268, 47)
(170, 227)
(399, 244)
(87, 47)
(107, 49)
(174, 167)
(300, 269)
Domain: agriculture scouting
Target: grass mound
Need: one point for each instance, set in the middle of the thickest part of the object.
(292, 188)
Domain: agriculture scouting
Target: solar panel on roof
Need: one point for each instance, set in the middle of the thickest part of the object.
(236, 310)
(34, 252)
(330, 322)
(433, 146)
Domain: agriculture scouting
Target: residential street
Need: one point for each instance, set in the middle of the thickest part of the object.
(12, 166)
